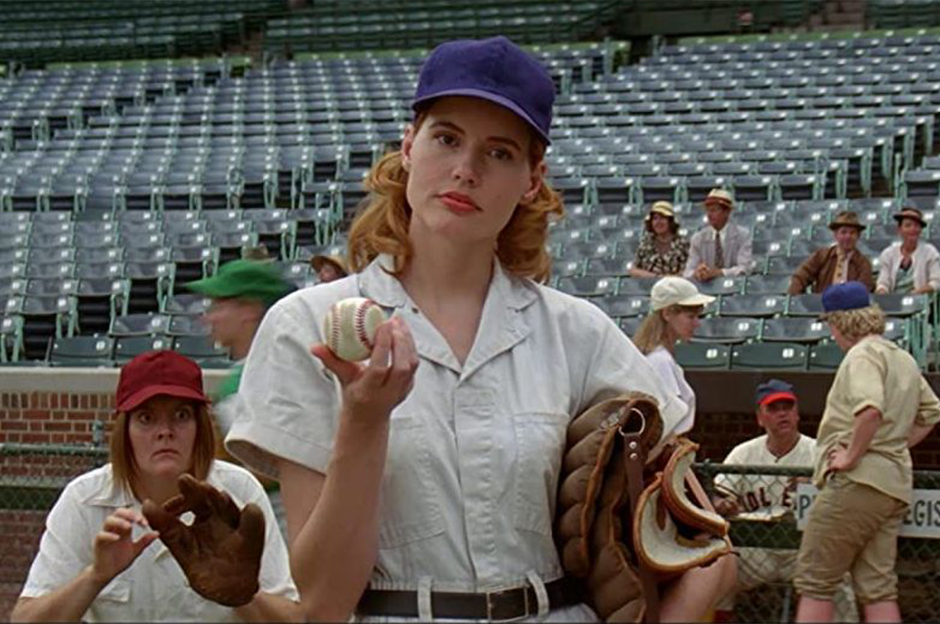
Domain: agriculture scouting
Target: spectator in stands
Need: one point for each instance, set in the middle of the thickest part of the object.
(838, 263)
(878, 407)
(241, 292)
(767, 498)
(910, 265)
(329, 268)
(675, 306)
(438, 480)
(721, 248)
(663, 251)
(90, 567)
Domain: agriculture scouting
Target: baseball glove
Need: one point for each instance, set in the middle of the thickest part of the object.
(220, 553)
(614, 534)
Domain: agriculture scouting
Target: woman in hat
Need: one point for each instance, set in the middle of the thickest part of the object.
(838, 263)
(91, 568)
(675, 307)
(909, 265)
(427, 491)
(663, 251)
(329, 267)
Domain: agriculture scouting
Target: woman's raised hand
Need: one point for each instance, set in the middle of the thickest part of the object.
(114, 547)
(374, 389)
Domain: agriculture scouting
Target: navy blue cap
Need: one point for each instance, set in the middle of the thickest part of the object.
(774, 390)
(847, 296)
(493, 69)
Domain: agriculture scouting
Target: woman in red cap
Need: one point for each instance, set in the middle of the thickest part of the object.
(91, 568)
(428, 491)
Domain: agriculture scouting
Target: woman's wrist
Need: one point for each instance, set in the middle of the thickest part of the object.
(96, 580)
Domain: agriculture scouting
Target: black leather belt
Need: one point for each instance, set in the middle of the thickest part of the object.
(508, 604)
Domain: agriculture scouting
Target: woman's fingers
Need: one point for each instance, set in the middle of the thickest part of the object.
(345, 371)
(404, 353)
(381, 350)
(118, 526)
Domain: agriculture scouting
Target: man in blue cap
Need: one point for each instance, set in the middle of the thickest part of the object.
(765, 497)
(878, 407)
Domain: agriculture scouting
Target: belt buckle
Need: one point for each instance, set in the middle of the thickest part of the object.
(491, 606)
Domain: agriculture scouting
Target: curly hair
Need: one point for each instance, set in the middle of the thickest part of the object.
(858, 323)
(381, 226)
(648, 223)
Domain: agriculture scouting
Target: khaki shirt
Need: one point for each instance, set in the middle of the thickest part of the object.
(877, 373)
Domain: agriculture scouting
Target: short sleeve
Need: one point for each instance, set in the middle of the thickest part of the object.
(729, 484)
(862, 384)
(616, 366)
(287, 403)
(65, 548)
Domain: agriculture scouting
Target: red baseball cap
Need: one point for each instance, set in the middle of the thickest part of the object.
(158, 373)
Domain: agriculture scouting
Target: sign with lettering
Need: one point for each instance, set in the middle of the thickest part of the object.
(922, 519)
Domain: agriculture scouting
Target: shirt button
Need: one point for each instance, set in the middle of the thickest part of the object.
(415, 310)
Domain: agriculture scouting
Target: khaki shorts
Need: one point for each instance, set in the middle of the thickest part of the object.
(759, 567)
(851, 528)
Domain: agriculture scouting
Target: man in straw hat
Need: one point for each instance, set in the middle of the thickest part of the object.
(878, 407)
(838, 263)
(721, 248)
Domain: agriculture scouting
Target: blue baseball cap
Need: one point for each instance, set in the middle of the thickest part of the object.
(774, 390)
(846, 296)
(493, 69)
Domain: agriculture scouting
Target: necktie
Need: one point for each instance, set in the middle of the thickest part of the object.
(842, 267)
(719, 252)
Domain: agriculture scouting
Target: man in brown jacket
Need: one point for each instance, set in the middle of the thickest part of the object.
(837, 263)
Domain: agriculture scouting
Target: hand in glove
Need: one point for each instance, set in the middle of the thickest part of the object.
(220, 553)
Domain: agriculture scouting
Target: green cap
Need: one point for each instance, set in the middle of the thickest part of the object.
(245, 279)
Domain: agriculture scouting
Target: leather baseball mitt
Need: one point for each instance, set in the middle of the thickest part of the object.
(594, 504)
(220, 553)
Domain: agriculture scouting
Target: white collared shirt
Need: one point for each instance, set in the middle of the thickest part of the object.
(153, 588)
(475, 450)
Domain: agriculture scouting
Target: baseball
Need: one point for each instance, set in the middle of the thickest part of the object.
(349, 327)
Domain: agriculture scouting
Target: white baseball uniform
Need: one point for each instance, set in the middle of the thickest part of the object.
(770, 497)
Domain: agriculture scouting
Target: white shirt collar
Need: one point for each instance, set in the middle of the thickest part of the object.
(376, 283)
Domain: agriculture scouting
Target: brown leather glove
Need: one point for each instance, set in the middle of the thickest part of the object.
(220, 553)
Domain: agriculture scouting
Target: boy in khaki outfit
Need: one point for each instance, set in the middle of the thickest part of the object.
(878, 407)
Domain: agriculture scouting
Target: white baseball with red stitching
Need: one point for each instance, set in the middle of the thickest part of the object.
(349, 327)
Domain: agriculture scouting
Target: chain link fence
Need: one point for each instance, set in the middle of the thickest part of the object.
(766, 532)
(31, 478)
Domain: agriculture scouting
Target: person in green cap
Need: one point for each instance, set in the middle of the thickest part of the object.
(241, 292)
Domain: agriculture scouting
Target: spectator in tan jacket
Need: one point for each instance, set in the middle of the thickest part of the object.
(838, 263)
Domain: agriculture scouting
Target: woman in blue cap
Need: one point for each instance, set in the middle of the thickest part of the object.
(428, 490)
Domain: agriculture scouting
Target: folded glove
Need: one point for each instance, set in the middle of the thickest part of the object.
(220, 553)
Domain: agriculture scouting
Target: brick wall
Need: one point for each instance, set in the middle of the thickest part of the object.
(48, 406)
(52, 417)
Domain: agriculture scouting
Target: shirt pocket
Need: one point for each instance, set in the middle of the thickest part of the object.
(540, 444)
(112, 603)
(409, 509)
